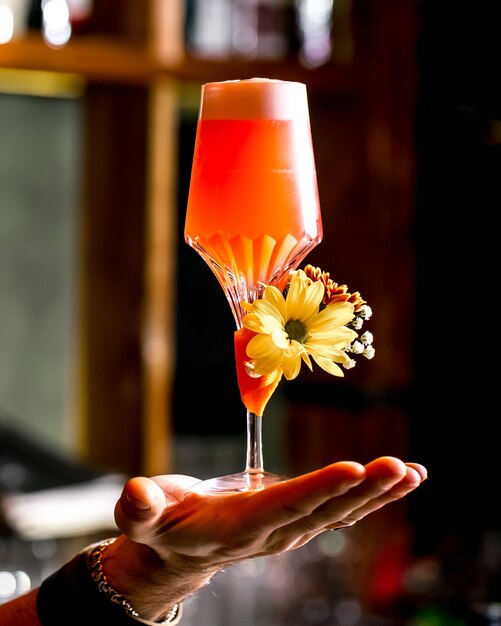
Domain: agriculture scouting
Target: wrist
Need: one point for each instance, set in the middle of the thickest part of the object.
(152, 584)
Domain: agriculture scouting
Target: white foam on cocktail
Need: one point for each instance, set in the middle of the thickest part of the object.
(254, 98)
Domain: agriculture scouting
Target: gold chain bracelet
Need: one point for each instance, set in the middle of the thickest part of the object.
(99, 577)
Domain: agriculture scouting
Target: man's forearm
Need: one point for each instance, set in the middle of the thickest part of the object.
(21, 611)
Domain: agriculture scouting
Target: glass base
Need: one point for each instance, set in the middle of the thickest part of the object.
(238, 483)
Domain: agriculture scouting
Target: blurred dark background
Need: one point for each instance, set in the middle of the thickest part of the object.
(115, 338)
(454, 410)
(458, 195)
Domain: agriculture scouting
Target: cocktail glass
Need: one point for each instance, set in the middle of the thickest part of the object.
(253, 210)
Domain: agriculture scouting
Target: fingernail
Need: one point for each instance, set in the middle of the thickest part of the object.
(347, 485)
(420, 469)
(139, 504)
(386, 483)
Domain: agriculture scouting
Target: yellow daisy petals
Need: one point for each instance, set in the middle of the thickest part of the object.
(329, 366)
(303, 299)
(337, 314)
(265, 354)
(291, 363)
(293, 330)
(274, 297)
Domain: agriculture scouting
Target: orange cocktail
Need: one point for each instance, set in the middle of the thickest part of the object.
(253, 209)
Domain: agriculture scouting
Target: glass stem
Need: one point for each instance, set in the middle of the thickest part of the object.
(254, 444)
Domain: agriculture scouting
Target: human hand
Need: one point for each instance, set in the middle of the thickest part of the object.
(174, 540)
(212, 531)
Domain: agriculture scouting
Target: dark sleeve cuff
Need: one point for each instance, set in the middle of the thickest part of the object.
(70, 596)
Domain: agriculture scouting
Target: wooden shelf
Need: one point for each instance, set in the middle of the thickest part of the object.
(99, 59)
(94, 58)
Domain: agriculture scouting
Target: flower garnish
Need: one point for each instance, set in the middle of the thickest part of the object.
(333, 291)
(313, 319)
(362, 311)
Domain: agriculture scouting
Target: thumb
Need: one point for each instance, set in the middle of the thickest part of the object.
(140, 504)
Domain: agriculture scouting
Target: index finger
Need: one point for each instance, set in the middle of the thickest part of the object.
(298, 497)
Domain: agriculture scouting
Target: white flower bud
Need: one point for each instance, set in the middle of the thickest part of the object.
(367, 338)
(369, 352)
(366, 312)
(357, 323)
(349, 364)
(357, 347)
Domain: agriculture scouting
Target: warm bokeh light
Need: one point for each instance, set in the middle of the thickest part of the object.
(332, 544)
(56, 22)
(13, 584)
(315, 23)
(348, 611)
(23, 582)
(6, 23)
(7, 584)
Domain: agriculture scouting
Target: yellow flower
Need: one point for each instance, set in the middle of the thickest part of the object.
(293, 329)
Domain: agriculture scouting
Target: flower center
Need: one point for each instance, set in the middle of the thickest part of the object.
(296, 330)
